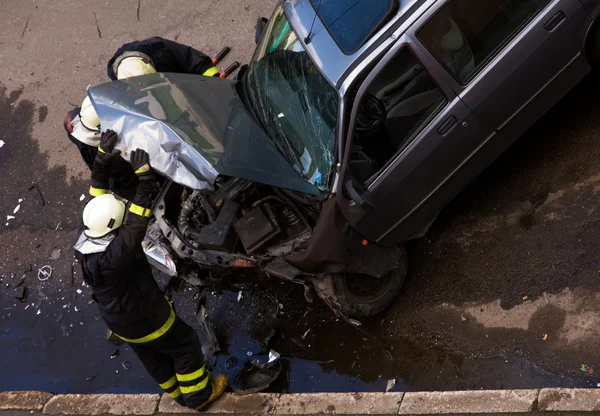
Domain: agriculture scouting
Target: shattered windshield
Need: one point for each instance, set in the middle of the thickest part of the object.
(294, 103)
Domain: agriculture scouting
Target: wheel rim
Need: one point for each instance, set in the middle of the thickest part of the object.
(366, 289)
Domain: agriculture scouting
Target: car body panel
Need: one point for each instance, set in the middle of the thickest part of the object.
(416, 172)
(408, 194)
(194, 128)
(301, 15)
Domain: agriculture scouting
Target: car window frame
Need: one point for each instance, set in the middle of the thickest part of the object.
(403, 41)
(492, 57)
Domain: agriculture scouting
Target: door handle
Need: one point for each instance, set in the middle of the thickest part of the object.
(447, 126)
(551, 24)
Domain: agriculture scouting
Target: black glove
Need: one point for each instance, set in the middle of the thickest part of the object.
(104, 157)
(147, 187)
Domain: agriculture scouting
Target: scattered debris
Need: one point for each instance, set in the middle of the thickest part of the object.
(76, 310)
(10, 217)
(55, 254)
(39, 191)
(545, 337)
(17, 208)
(90, 378)
(60, 316)
(39, 311)
(281, 306)
(126, 365)
(306, 333)
(230, 363)
(82, 197)
(79, 291)
(110, 336)
(257, 376)
(249, 354)
(586, 369)
(267, 341)
(240, 296)
(546, 298)
(27, 307)
(115, 354)
(21, 292)
(390, 385)
(44, 273)
(57, 225)
(210, 345)
(462, 317)
(2, 143)
(354, 322)
(525, 297)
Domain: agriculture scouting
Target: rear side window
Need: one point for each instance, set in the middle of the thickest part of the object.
(466, 34)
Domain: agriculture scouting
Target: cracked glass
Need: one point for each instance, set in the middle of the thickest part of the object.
(293, 102)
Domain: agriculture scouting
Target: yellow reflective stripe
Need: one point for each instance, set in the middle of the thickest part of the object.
(142, 169)
(192, 389)
(141, 211)
(101, 150)
(211, 72)
(168, 384)
(191, 376)
(175, 394)
(156, 334)
(97, 191)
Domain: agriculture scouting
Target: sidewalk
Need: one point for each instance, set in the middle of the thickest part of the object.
(496, 402)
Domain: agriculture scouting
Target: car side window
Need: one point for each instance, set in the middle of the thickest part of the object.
(466, 34)
(398, 104)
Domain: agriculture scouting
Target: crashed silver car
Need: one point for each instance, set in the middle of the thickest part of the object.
(352, 126)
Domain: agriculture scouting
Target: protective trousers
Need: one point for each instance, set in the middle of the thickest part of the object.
(176, 362)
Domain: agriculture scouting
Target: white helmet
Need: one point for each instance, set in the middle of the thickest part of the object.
(102, 215)
(134, 66)
(88, 116)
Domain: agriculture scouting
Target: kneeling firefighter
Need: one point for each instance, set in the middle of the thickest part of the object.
(131, 60)
(130, 302)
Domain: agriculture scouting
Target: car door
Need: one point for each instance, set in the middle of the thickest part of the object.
(500, 55)
(427, 134)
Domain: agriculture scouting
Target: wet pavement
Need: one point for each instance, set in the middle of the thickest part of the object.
(502, 293)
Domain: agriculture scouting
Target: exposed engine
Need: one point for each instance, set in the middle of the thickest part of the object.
(239, 225)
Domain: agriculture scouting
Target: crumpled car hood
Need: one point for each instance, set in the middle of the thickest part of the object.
(194, 129)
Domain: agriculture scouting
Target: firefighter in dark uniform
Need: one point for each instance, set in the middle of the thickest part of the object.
(130, 302)
(132, 59)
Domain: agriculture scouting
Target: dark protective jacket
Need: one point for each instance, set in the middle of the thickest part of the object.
(167, 56)
(129, 299)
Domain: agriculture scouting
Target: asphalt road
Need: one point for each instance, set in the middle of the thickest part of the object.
(502, 293)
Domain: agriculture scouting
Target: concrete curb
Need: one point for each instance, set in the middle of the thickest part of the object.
(496, 402)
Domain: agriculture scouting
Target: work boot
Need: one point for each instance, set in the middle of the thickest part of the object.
(219, 384)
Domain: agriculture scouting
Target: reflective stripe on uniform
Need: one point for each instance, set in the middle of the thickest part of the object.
(141, 211)
(175, 394)
(168, 384)
(156, 334)
(191, 376)
(97, 191)
(101, 150)
(142, 169)
(192, 389)
(211, 72)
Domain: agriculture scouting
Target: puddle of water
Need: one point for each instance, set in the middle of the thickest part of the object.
(332, 357)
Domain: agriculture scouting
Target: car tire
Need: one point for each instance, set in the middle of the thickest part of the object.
(361, 296)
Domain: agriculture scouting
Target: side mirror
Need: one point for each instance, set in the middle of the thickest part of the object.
(357, 193)
(260, 27)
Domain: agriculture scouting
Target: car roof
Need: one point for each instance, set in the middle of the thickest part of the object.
(325, 52)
